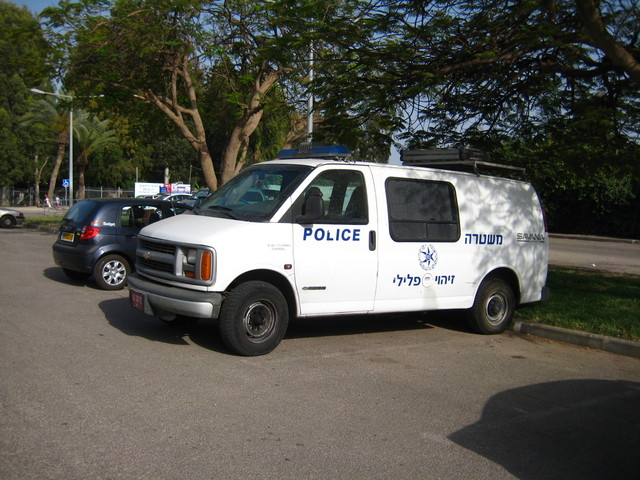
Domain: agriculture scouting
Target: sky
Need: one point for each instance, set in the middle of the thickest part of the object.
(36, 6)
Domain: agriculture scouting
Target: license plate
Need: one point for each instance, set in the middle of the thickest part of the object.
(67, 237)
(136, 299)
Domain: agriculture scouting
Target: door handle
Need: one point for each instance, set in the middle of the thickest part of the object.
(372, 240)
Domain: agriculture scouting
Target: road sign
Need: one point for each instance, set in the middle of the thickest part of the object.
(65, 182)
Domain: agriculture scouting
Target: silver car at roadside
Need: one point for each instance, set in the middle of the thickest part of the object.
(10, 218)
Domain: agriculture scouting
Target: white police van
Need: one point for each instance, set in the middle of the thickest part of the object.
(312, 233)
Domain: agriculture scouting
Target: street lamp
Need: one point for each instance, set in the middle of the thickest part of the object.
(59, 95)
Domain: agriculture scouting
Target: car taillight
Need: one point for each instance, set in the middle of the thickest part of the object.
(88, 232)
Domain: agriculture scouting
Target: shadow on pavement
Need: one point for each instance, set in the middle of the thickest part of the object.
(204, 332)
(120, 315)
(574, 429)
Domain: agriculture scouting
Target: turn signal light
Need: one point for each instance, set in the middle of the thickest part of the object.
(205, 266)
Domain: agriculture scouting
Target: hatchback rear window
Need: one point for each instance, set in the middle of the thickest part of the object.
(80, 211)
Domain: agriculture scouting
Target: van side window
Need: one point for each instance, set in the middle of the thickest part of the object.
(344, 196)
(421, 210)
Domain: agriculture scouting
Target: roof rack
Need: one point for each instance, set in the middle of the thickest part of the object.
(460, 159)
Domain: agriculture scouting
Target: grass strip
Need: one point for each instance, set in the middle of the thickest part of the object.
(606, 304)
(52, 221)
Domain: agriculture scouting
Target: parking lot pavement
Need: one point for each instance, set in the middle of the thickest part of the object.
(91, 388)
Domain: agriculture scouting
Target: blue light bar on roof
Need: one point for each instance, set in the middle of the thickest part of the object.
(315, 151)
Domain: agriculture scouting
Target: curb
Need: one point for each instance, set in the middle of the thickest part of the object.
(582, 339)
(33, 226)
(593, 238)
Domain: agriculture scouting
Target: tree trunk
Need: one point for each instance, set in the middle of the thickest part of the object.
(38, 175)
(56, 169)
(82, 166)
(206, 163)
(232, 163)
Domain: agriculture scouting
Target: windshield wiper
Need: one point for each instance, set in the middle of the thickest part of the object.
(218, 208)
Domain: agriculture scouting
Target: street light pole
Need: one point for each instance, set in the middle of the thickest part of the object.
(59, 95)
(310, 100)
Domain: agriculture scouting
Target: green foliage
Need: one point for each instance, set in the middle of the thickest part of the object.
(520, 79)
(23, 48)
(613, 307)
(23, 63)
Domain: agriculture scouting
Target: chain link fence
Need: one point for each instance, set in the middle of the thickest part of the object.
(16, 197)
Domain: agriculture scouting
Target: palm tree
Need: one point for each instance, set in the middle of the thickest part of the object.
(54, 114)
(92, 135)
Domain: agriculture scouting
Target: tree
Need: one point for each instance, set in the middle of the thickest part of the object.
(497, 66)
(24, 50)
(620, 55)
(160, 52)
(24, 53)
(92, 136)
(53, 114)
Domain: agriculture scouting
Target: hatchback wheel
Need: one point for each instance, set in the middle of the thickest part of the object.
(111, 272)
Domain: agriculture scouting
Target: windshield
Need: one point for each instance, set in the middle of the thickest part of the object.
(256, 193)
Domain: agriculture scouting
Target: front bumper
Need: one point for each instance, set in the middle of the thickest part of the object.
(162, 300)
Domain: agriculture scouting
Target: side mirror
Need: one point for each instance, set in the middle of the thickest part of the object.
(312, 208)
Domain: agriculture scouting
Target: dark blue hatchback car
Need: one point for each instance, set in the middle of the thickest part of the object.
(98, 237)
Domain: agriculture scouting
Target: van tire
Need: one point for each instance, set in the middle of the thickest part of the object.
(253, 318)
(111, 272)
(493, 307)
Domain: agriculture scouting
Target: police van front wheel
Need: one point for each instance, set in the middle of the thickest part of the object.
(253, 318)
(493, 307)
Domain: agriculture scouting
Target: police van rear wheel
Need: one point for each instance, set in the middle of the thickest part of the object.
(253, 318)
(493, 307)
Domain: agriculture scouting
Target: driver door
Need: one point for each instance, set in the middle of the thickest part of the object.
(335, 256)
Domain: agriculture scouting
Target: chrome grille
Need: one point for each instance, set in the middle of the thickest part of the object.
(154, 265)
(175, 262)
(157, 247)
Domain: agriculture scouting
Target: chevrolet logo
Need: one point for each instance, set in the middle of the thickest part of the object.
(146, 255)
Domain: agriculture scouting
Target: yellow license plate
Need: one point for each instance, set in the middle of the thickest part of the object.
(67, 237)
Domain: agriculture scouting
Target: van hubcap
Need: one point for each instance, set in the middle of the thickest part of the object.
(496, 308)
(259, 320)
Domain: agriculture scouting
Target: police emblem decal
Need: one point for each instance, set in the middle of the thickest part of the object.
(428, 257)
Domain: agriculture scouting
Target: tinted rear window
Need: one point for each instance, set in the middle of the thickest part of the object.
(80, 212)
(421, 210)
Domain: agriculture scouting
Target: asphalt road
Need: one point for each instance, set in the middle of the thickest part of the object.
(91, 389)
(598, 254)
